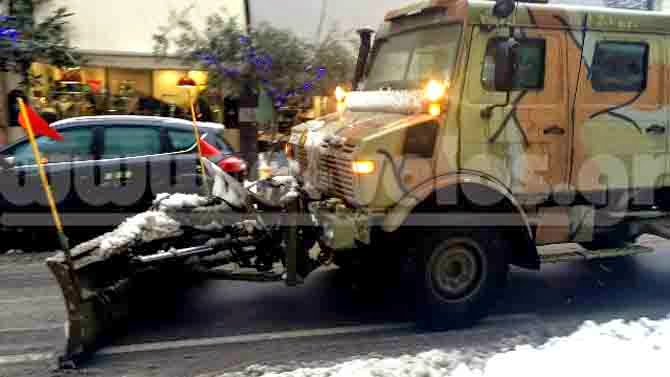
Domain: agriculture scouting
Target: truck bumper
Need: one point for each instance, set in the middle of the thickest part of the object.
(341, 227)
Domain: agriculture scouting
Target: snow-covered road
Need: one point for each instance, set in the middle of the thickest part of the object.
(616, 348)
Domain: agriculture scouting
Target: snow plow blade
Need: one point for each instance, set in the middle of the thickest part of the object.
(181, 239)
(93, 310)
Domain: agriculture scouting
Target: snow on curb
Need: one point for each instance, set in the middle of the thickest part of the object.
(612, 349)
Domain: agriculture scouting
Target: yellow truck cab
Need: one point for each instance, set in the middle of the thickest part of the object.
(482, 131)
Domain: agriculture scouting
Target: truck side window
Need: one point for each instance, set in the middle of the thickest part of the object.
(530, 64)
(620, 67)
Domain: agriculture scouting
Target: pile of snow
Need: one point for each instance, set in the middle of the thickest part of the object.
(144, 227)
(179, 201)
(613, 349)
(171, 213)
(390, 101)
(313, 140)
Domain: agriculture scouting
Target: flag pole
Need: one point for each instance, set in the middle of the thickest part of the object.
(65, 244)
(196, 132)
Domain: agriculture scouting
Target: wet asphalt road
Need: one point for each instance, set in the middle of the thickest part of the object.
(538, 305)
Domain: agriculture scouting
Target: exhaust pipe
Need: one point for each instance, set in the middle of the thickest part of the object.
(363, 55)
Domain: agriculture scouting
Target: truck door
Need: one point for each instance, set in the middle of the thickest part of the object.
(621, 123)
(523, 136)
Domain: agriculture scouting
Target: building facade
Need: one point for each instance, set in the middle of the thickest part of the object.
(116, 39)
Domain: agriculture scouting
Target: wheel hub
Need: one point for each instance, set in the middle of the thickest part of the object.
(455, 271)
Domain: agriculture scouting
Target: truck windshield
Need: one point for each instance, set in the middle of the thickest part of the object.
(407, 60)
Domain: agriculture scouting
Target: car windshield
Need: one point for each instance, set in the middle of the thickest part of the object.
(407, 60)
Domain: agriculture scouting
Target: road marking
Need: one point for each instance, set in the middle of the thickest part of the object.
(253, 338)
(30, 299)
(512, 317)
(26, 358)
(32, 329)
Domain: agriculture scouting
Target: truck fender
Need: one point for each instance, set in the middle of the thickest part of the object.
(526, 254)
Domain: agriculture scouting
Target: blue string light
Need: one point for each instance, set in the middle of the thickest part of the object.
(263, 62)
(8, 33)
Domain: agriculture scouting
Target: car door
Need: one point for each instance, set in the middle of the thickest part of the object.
(621, 123)
(184, 168)
(125, 165)
(521, 136)
(22, 196)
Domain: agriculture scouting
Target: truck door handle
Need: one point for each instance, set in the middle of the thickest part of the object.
(655, 129)
(554, 130)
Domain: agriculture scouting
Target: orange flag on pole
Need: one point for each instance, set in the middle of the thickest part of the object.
(207, 149)
(39, 125)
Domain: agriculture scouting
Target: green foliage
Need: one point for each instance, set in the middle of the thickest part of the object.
(43, 41)
(294, 61)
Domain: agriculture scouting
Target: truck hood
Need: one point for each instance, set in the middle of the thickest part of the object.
(368, 113)
(352, 127)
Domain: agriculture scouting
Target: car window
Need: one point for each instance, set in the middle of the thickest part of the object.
(181, 140)
(223, 145)
(131, 141)
(76, 146)
(620, 67)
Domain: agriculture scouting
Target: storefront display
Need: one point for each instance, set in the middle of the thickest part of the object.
(82, 91)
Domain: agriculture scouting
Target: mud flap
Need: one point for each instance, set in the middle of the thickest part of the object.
(91, 314)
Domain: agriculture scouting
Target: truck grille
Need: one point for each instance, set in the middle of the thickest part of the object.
(335, 174)
(301, 155)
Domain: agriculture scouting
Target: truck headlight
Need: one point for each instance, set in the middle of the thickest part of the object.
(363, 167)
(288, 150)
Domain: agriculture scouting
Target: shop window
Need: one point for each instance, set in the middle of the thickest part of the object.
(131, 142)
(530, 64)
(76, 146)
(620, 67)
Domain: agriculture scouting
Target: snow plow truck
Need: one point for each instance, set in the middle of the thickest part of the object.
(477, 132)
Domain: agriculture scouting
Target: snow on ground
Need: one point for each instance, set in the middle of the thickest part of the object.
(613, 349)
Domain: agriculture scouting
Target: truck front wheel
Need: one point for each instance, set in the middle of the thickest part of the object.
(461, 275)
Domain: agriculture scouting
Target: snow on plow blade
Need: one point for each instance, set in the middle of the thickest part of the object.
(107, 270)
(181, 236)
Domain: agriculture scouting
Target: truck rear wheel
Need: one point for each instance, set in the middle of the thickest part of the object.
(461, 275)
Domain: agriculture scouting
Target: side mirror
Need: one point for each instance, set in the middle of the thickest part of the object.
(505, 64)
(7, 162)
(504, 8)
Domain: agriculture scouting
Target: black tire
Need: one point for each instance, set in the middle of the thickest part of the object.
(461, 274)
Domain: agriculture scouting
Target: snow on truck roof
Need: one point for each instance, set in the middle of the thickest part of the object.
(555, 16)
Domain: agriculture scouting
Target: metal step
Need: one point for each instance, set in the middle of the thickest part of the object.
(574, 252)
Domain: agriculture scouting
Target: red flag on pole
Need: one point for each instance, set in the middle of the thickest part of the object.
(207, 149)
(39, 125)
